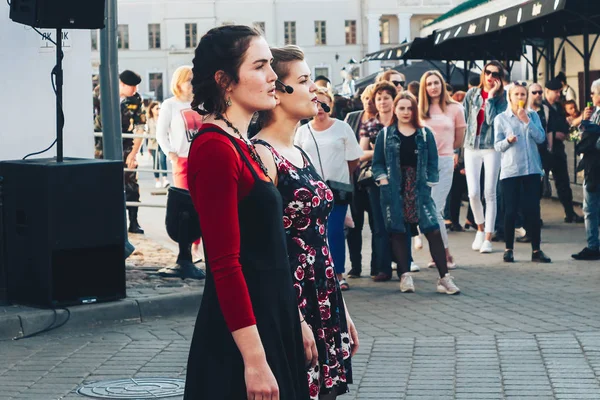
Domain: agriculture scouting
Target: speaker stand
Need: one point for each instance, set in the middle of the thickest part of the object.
(60, 117)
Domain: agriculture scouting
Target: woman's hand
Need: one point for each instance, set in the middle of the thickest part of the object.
(131, 160)
(310, 346)
(354, 343)
(522, 114)
(260, 381)
(383, 182)
(173, 157)
(511, 138)
(495, 88)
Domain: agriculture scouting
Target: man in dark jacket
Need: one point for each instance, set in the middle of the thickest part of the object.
(558, 129)
(589, 146)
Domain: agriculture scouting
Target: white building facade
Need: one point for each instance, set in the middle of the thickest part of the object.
(157, 36)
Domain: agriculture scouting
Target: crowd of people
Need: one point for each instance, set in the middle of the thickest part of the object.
(281, 173)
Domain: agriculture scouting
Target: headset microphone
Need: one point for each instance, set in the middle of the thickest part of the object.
(288, 89)
(324, 106)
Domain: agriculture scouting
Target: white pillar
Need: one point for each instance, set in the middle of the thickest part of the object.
(374, 42)
(404, 27)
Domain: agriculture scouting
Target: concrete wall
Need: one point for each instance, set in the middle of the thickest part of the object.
(27, 102)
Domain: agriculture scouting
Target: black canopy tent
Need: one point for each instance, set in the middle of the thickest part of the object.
(530, 22)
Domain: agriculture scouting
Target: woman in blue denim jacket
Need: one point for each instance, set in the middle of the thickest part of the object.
(517, 133)
(405, 166)
(482, 104)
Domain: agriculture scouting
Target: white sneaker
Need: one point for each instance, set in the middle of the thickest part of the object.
(431, 264)
(166, 183)
(446, 285)
(479, 238)
(486, 247)
(394, 266)
(451, 265)
(520, 232)
(414, 267)
(418, 242)
(406, 283)
(158, 185)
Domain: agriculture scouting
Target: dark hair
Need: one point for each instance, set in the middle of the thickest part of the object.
(574, 103)
(413, 87)
(474, 81)
(150, 107)
(220, 49)
(561, 77)
(282, 57)
(502, 72)
(385, 86)
(322, 78)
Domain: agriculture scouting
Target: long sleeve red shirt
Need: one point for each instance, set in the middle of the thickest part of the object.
(218, 180)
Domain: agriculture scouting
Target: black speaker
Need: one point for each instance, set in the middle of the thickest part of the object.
(64, 14)
(64, 231)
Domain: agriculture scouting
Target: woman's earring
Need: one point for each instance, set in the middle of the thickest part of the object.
(228, 102)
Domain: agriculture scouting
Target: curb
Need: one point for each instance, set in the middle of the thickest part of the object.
(102, 314)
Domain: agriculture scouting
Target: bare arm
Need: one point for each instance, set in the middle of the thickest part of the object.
(267, 158)
(352, 165)
(365, 144)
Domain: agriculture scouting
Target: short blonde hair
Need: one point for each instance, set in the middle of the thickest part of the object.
(181, 75)
(368, 92)
(325, 92)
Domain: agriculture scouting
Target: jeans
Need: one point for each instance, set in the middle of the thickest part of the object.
(335, 237)
(439, 193)
(522, 191)
(160, 162)
(360, 204)
(591, 212)
(474, 159)
(560, 174)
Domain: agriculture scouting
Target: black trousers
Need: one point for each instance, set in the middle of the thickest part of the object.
(522, 192)
(359, 205)
(459, 187)
(560, 173)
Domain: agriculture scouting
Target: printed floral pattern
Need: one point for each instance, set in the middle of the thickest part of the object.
(307, 203)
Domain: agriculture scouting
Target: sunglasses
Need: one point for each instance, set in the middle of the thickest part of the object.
(536, 92)
(520, 83)
(494, 74)
(401, 83)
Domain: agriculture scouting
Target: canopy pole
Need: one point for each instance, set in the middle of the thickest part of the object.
(447, 71)
(466, 75)
(535, 64)
(586, 58)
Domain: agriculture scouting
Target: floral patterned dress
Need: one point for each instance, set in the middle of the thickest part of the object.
(307, 202)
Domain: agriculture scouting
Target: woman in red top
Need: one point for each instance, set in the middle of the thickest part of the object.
(247, 340)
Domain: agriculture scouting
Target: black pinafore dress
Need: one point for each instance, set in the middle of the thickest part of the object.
(215, 366)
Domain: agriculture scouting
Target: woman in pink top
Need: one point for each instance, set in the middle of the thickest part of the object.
(447, 120)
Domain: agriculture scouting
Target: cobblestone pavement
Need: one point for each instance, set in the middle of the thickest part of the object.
(519, 331)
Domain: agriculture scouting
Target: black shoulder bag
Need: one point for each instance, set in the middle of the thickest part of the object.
(342, 192)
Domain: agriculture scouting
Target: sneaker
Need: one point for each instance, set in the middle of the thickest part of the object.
(406, 284)
(456, 228)
(394, 266)
(486, 247)
(158, 185)
(587, 254)
(418, 242)
(414, 267)
(354, 273)
(446, 285)
(520, 232)
(479, 238)
(382, 277)
(569, 219)
(524, 239)
(451, 265)
(540, 257)
(508, 256)
(431, 264)
(166, 183)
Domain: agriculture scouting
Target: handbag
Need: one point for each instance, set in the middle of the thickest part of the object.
(342, 192)
(365, 175)
(181, 220)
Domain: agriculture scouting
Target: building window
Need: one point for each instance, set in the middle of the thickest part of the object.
(384, 31)
(191, 35)
(155, 85)
(322, 71)
(94, 33)
(320, 32)
(350, 31)
(123, 36)
(260, 26)
(154, 36)
(289, 27)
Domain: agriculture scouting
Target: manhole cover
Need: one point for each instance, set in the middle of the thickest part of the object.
(134, 388)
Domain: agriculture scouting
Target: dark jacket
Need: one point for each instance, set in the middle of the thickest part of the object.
(589, 146)
(557, 122)
(353, 119)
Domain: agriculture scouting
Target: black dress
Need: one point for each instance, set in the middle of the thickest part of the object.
(215, 365)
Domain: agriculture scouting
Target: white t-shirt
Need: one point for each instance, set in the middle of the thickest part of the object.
(177, 124)
(337, 146)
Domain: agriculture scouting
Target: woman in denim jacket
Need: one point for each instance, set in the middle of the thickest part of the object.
(517, 134)
(482, 104)
(405, 166)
